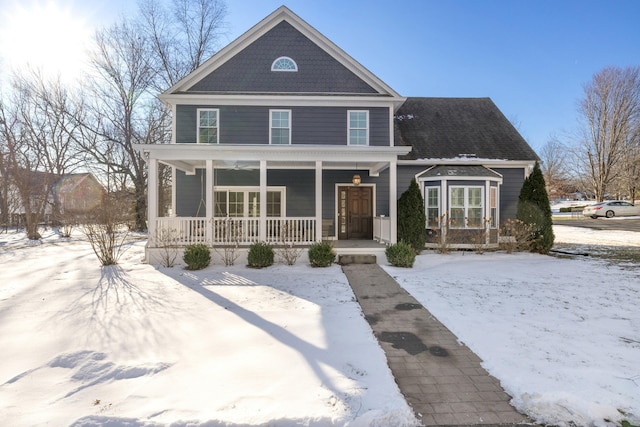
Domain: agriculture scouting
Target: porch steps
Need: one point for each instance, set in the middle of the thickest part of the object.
(347, 259)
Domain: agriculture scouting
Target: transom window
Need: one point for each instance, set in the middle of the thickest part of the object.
(358, 127)
(280, 128)
(245, 202)
(465, 207)
(208, 126)
(284, 63)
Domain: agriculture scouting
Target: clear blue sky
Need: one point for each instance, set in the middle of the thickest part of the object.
(531, 57)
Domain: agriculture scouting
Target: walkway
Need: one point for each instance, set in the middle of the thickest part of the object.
(440, 378)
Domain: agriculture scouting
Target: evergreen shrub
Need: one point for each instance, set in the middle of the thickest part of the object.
(197, 257)
(412, 219)
(401, 254)
(260, 255)
(534, 210)
(321, 254)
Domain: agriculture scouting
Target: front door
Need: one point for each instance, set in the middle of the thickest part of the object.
(355, 213)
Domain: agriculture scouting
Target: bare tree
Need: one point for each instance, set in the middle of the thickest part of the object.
(183, 35)
(133, 60)
(38, 148)
(609, 113)
(553, 157)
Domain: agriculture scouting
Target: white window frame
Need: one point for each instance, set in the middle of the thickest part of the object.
(466, 206)
(366, 128)
(282, 60)
(271, 127)
(217, 127)
(246, 201)
(428, 206)
(493, 206)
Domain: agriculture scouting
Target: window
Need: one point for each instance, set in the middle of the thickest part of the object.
(493, 206)
(245, 202)
(208, 129)
(465, 207)
(280, 129)
(433, 206)
(358, 128)
(284, 63)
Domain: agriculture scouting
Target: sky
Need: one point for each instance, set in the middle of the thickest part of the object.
(531, 57)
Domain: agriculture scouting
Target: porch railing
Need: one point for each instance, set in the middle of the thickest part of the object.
(184, 231)
(382, 229)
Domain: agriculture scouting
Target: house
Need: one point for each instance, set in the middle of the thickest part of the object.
(78, 193)
(283, 137)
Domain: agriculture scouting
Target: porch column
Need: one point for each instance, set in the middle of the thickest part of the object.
(263, 201)
(393, 200)
(152, 200)
(209, 199)
(318, 200)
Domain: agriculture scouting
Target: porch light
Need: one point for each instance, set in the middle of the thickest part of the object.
(356, 179)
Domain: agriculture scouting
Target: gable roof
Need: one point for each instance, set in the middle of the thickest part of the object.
(459, 172)
(322, 64)
(458, 128)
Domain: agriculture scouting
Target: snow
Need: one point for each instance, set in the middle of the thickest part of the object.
(137, 345)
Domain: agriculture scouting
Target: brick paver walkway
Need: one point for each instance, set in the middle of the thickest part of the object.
(440, 377)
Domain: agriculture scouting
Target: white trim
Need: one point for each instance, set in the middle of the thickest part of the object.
(318, 205)
(466, 205)
(287, 70)
(271, 128)
(290, 100)
(366, 128)
(425, 196)
(217, 127)
(337, 203)
(254, 189)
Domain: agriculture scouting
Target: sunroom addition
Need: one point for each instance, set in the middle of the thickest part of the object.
(461, 205)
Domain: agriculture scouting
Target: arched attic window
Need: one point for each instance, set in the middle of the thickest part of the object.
(284, 63)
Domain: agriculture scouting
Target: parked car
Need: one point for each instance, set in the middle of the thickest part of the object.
(611, 208)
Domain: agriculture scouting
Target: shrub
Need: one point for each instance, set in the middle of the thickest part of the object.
(260, 255)
(534, 210)
(321, 254)
(412, 218)
(401, 254)
(196, 257)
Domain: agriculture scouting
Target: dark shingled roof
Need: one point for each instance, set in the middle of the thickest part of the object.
(446, 128)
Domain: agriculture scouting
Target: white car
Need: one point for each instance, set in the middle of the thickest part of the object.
(611, 208)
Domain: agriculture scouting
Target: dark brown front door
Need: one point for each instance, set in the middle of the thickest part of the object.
(355, 213)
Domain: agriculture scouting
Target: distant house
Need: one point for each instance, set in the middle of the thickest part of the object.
(53, 196)
(78, 193)
(282, 134)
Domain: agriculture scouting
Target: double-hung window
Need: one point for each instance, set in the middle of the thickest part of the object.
(465, 207)
(432, 206)
(280, 127)
(208, 125)
(358, 127)
(493, 206)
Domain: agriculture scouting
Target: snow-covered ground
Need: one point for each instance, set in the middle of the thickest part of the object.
(133, 345)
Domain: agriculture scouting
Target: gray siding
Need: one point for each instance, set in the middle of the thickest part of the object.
(250, 69)
(190, 194)
(512, 180)
(310, 125)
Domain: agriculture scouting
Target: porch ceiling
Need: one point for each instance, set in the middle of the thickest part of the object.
(189, 157)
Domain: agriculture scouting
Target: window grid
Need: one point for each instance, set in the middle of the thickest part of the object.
(358, 128)
(284, 63)
(433, 206)
(280, 129)
(493, 206)
(208, 129)
(235, 203)
(466, 207)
